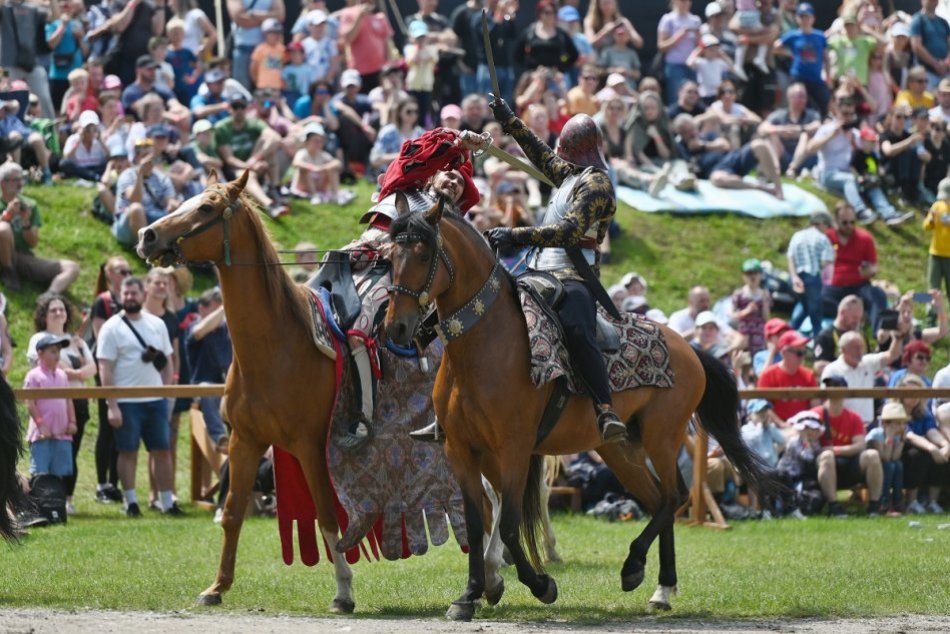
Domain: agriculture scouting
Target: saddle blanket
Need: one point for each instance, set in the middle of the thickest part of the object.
(643, 359)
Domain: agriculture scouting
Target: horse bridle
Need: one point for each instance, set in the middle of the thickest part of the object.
(224, 218)
(422, 295)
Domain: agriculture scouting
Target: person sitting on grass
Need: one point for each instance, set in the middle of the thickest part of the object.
(888, 439)
(52, 420)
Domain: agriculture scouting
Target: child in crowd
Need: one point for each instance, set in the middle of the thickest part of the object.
(888, 439)
(165, 74)
(78, 98)
(318, 172)
(938, 222)
(710, 64)
(751, 305)
(267, 60)
(798, 467)
(421, 57)
(620, 57)
(750, 24)
(866, 165)
(185, 65)
(569, 19)
(52, 420)
(297, 74)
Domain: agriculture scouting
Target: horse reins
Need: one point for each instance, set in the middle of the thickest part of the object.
(422, 295)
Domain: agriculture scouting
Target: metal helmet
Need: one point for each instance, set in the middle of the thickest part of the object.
(581, 143)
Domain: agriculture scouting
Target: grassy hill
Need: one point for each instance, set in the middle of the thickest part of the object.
(672, 252)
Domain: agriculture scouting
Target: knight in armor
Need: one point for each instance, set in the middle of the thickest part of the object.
(566, 242)
(432, 165)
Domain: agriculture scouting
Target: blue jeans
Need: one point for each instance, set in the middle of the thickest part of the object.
(809, 304)
(893, 482)
(844, 184)
(211, 411)
(51, 456)
(147, 422)
(676, 75)
(241, 64)
(506, 82)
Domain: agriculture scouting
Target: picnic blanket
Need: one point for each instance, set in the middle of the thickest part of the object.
(712, 199)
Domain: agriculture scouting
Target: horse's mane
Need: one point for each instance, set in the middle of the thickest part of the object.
(286, 295)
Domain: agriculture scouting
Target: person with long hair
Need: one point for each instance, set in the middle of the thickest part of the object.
(54, 315)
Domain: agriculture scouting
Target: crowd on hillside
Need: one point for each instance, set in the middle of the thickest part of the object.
(136, 99)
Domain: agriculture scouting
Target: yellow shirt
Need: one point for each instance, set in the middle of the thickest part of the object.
(938, 221)
(904, 97)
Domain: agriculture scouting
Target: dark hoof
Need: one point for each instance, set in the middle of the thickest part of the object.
(631, 581)
(549, 596)
(208, 600)
(342, 606)
(461, 611)
(493, 595)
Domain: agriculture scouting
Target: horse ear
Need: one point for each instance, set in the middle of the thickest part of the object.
(212, 176)
(402, 204)
(237, 186)
(434, 215)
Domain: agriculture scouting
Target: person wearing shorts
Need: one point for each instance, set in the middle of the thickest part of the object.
(134, 349)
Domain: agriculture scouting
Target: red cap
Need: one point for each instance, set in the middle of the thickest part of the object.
(776, 326)
(791, 339)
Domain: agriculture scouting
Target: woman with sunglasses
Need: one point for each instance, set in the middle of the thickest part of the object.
(54, 316)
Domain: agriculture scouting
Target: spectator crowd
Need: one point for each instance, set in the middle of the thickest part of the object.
(139, 100)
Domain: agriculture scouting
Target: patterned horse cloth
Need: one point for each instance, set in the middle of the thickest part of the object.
(392, 484)
(643, 359)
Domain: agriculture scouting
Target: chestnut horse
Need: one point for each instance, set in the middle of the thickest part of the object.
(11, 448)
(280, 389)
(490, 409)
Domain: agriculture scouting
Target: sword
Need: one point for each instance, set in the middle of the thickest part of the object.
(517, 163)
(489, 56)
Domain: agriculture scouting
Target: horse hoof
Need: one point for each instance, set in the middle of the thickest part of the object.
(342, 606)
(550, 594)
(208, 600)
(493, 595)
(631, 581)
(461, 611)
(659, 606)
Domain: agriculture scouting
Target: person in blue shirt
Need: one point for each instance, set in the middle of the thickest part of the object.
(809, 49)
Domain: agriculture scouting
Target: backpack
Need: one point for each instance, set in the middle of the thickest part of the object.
(48, 495)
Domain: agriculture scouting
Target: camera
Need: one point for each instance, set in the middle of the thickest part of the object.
(155, 357)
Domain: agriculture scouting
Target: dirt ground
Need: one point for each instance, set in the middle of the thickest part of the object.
(38, 621)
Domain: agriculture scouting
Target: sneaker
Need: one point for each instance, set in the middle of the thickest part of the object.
(218, 516)
(934, 507)
(866, 217)
(836, 510)
(898, 218)
(174, 511)
(70, 509)
(133, 510)
(916, 508)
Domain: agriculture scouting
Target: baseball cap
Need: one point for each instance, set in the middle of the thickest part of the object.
(805, 8)
(706, 317)
(314, 128)
(351, 77)
(146, 61)
(52, 340)
(713, 9)
(201, 125)
(88, 117)
(316, 17)
(791, 339)
(450, 111)
(752, 265)
(775, 326)
(708, 40)
(568, 14)
(272, 25)
(418, 28)
(899, 29)
(214, 75)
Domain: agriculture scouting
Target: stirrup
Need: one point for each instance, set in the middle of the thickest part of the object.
(611, 427)
(351, 439)
(430, 433)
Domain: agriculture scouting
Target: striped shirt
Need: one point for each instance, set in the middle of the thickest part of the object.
(810, 249)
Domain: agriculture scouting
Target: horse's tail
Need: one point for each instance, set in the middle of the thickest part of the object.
(531, 513)
(719, 415)
(11, 448)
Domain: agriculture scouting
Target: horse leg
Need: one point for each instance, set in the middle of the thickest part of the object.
(494, 557)
(463, 608)
(243, 459)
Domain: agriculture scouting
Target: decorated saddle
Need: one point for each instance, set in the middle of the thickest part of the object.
(638, 357)
(390, 490)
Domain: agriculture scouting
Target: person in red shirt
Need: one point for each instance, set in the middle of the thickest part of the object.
(855, 266)
(789, 372)
(846, 460)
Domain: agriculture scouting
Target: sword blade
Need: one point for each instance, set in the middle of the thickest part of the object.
(518, 163)
(489, 56)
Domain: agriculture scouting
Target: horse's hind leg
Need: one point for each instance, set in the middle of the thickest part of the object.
(244, 457)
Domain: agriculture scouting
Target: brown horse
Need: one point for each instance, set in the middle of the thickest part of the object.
(286, 404)
(490, 409)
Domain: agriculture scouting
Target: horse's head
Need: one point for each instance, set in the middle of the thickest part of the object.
(422, 270)
(198, 231)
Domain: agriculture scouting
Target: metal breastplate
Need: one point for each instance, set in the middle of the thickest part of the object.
(552, 258)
